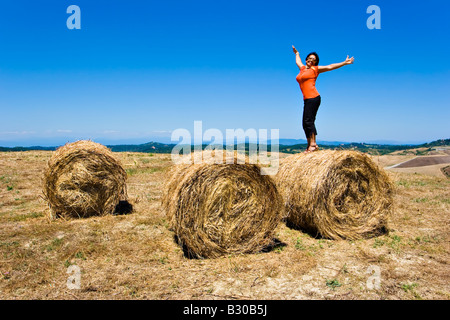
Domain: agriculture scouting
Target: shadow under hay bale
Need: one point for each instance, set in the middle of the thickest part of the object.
(276, 243)
(335, 194)
(124, 207)
(84, 179)
(220, 209)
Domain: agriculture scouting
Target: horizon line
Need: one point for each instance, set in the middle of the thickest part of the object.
(300, 141)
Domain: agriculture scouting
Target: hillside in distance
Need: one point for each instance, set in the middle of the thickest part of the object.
(156, 147)
(380, 149)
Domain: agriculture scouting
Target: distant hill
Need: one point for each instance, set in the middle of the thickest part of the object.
(150, 147)
(378, 149)
(437, 143)
(286, 146)
(292, 142)
(6, 149)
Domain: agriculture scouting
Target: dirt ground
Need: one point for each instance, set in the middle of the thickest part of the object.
(135, 257)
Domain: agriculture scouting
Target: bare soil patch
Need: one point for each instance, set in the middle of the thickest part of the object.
(435, 170)
(395, 162)
(391, 159)
(425, 161)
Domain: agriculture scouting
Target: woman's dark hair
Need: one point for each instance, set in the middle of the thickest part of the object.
(313, 54)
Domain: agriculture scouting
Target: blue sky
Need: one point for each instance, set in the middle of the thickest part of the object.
(137, 70)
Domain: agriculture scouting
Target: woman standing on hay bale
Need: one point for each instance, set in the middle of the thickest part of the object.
(307, 81)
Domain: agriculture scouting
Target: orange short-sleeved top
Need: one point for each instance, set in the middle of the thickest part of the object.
(307, 81)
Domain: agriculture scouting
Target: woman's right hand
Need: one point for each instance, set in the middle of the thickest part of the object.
(295, 50)
(349, 60)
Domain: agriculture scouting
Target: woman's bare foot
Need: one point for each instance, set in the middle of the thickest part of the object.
(312, 149)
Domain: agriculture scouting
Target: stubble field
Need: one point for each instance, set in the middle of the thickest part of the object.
(135, 256)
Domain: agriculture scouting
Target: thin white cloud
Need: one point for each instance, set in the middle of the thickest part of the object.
(161, 131)
(17, 132)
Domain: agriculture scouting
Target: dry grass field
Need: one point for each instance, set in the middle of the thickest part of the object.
(135, 257)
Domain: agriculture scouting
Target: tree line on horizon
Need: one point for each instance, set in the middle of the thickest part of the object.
(156, 147)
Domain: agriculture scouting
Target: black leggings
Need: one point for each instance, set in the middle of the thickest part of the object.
(309, 115)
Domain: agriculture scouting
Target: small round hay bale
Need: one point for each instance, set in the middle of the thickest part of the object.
(219, 209)
(84, 179)
(335, 194)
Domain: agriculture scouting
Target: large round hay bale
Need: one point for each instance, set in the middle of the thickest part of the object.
(84, 179)
(218, 209)
(335, 194)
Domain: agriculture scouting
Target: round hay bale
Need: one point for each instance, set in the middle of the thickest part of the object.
(335, 194)
(219, 209)
(84, 179)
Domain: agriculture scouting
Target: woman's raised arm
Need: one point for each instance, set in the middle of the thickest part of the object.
(334, 66)
(298, 61)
